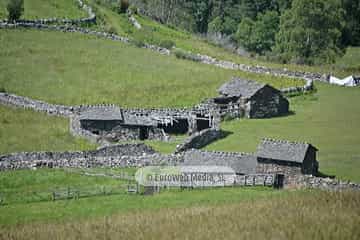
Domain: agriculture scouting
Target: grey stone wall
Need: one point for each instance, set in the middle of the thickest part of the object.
(329, 184)
(125, 155)
(200, 139)
(273, 168)
(36, 105)
(266, 104)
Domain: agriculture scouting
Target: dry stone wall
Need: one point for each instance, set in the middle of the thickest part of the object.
(36, 105)
(330, 184)
(200, 139)
(126, 155)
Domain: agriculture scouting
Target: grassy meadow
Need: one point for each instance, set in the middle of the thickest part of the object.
(25, 130)
(39, 9)
(22, 210)
(74, 69)
(296, 215)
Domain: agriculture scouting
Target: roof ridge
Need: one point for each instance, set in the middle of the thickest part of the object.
(284, 141)
(222, 152)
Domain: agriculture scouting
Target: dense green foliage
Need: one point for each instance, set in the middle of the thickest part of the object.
(259, 35)
(254, 24)
(310, 32)
(15, 9)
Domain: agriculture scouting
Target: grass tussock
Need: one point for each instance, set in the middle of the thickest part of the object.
(300, 215)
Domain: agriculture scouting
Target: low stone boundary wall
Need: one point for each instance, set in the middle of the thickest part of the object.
(200, 139)
(125, 155)
(36, 105)
(329, 184)
(90, 19)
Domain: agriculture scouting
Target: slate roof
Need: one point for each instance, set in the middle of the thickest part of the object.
(242, 163)
(134, 120)
(283, 150)
(101, 113)
(240, 88)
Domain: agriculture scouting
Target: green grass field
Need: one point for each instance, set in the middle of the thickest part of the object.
(25, 130)
(39, 9)
(209, 214)
(77, 69)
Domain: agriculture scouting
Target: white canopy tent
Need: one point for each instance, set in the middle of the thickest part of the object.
(350, 81)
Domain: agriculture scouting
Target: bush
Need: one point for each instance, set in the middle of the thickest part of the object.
(168, 44)
(111, 30)
(181, 54)
(133, 9)
(2, 90)
(138, 43)
(15, 9)
(123, 6)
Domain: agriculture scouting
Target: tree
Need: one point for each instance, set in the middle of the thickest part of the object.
(351, 33)
(310, 32)
(259, 35)
(15, 9)
(201, 10)
(123, 6)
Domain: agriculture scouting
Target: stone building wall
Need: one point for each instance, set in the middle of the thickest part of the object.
(200, 139)
(267, 103)
(288, 170)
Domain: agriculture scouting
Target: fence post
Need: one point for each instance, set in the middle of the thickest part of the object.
(53, 196)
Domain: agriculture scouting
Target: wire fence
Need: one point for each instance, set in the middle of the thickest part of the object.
(66, 193)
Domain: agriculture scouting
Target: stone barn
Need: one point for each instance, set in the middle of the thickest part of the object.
(285, 157)
(111, 123)
(250, 99)
(100, 119)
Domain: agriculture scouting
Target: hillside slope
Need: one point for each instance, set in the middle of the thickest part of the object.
(38, 9)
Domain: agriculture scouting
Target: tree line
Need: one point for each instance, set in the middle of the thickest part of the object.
(301, 31)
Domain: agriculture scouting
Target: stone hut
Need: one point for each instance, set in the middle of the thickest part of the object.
(100, 119)
(250, 99)
(285, 157)
(112, 123)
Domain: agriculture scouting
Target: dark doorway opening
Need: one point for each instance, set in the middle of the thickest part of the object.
(144, 133)
(202, 124)
(279, 181)
(179, 126)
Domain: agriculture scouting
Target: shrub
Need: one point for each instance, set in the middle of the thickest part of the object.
(111, 30)
(2, 90)
(168, 44)
(181, 54)
(123, 6)
(15, 9)
(138, 42)
(133, 9)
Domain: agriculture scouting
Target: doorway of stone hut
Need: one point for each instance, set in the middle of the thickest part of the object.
(144, 133)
